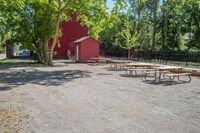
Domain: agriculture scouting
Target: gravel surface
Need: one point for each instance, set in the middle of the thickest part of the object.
(2, 56)
(86, 98)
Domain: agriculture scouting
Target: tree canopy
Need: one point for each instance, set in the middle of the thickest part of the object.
(34, 22)
(167, 25)
(151, 25)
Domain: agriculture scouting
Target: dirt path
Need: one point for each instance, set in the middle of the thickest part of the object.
(80, 98)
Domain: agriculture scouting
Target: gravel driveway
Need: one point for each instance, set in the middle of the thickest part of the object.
(83, 98)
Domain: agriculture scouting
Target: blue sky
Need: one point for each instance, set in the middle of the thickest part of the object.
(110, 4)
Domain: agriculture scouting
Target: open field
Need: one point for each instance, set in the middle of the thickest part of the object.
(87, 98)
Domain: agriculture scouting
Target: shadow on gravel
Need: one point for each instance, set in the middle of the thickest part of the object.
(14, 65)
(104, 74)
(132, 76)
(52, 78)
(5, 88)
(95, 64)
(164, 83)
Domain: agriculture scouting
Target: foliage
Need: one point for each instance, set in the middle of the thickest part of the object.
(7, 61)
(127, 38)
(34, 22)
(167, 25)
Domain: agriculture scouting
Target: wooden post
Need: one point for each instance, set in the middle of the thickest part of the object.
(9, 51)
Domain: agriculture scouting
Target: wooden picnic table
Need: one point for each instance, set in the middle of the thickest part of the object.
(135, 67)
(120, 61)
(146, 65)
(118, 64)
(159, 71)
(101, 59)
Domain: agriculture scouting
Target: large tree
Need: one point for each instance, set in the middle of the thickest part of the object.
(34, 22)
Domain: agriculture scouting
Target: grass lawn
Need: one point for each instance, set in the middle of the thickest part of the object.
(175, 63)
(5, 61)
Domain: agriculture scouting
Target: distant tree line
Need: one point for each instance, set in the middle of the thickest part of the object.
(155, 25)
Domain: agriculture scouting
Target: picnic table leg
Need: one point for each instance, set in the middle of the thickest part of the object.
(130, 73)
(189, 78)
(159, 78)
(111, 66)
(126, 71)
(155, 75)
(135, 73)
(164, 75)
(115, 67)
(145, 76)
(178, 78)
(171, 80)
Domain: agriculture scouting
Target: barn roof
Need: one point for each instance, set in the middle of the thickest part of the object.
(83, 39)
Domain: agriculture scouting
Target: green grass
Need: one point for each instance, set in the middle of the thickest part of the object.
(5, 131)
(5, 61)
(175, 63)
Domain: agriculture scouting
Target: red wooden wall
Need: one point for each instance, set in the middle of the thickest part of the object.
(72, 30)
(88, 49)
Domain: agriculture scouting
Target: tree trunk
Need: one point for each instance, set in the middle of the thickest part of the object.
(50, 61)
(46, 50)
(178, 39)
(165, 26)
(154, 24)
(129, 54)
(138, 13)
(55, 37)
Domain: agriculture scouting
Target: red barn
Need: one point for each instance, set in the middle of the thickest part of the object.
(86, 48)
(72, 31)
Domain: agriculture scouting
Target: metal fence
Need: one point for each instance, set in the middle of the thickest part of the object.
(171, 56)
(166, 56)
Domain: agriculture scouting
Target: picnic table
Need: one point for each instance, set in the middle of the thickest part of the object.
(135, 67)
(143, 65)
(101, 60)
(118, 64)
(162, 70)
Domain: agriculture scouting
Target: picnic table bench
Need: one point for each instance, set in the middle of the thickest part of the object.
(131, 70)
(131, 67)
(118, 65)
(173, 75)
(167, 71)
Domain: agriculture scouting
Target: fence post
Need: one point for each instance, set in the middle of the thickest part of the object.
(187, 59)
(150, 56)
(166, 56)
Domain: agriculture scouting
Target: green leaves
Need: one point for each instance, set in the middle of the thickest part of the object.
(127, 35)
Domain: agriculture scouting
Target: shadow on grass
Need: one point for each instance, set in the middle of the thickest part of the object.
(45, 78)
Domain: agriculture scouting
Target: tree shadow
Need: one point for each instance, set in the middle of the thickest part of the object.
(5, 88)
(45, 78)
(8, 65)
